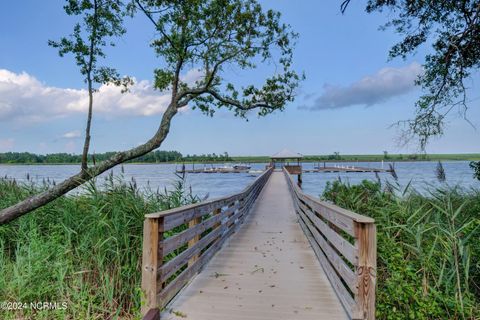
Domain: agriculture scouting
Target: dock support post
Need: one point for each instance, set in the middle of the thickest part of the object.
(366, 270)
(192, 223)
(152, 258)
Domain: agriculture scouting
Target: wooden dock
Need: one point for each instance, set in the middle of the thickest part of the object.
(345, 169)
(268, 252)
(348, 169)
(214, 170)
(266, 270)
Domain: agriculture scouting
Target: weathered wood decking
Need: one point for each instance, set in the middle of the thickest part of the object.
(267, 270)
(246, 256)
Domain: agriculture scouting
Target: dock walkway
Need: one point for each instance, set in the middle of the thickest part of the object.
(266, 270)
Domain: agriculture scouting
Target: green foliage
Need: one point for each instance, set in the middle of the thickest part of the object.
(453, 30)
(208, 157)
(475, 165)
(84, 250)
(428, 252)
(440, 172)
(30, 158)
(157, 156)
(211, 35)
(102, 20)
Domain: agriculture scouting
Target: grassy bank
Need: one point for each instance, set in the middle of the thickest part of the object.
(428, 249)
(83, 250)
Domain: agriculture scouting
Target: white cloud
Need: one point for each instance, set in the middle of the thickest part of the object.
(72, 134)
(370, 90)
(25, 98)
(6, 144)
(192, 76)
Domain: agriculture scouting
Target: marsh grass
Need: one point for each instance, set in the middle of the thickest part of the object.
(83, 249)
(428, 249)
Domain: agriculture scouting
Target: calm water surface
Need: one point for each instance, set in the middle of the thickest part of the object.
(422, 175)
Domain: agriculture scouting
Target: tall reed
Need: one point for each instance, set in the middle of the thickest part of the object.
(428, 249)
(82, 249)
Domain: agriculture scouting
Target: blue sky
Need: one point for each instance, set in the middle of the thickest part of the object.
(350, 98)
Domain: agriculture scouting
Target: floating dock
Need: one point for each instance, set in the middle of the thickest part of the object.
(345, 169)
(218, 170)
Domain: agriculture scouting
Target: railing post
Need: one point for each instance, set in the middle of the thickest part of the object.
(216, 212)
(152, 257)
(192, 223)
(366, 238)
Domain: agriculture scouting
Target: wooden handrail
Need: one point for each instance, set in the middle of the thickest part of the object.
(345, 245)
(194, 233)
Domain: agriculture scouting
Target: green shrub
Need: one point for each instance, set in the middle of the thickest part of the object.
(428, 249)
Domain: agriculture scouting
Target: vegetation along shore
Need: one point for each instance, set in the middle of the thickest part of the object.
(86, 249)
(160, 156)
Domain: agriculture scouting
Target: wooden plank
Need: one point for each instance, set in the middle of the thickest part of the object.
(152, 314)
(337, 262)
(194, 239)
(327, 212)
(342, 292)
(346, 223)
(150, 258)
(172, 266)
(235, 218)
(173, 287)
(189, 213)
(342, 245)
(218, 212)
(225, 200)
(176, 220)
(367, 270)
(199, 205)
(186, 213)
(342, 214)
(179, 239)
(285, 282)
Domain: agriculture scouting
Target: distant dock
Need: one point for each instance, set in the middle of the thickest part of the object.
(281, 159)
(225, 169)
(348, 169)
(218, 170)
(345, 169)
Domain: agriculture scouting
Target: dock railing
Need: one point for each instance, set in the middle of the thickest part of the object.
(293, 169)
(177, 243)
(345, 245)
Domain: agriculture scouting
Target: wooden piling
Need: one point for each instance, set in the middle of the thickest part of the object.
(151, 258)
(366, 270)
(194, 240)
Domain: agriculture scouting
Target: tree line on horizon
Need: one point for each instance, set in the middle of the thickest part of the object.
(158, 156)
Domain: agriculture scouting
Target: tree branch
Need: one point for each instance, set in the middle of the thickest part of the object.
(32, 203)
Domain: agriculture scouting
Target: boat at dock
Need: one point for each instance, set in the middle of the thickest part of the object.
(239, 168)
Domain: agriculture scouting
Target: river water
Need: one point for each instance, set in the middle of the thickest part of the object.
(421, 174)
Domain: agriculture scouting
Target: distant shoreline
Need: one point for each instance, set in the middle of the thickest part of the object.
(307, 159)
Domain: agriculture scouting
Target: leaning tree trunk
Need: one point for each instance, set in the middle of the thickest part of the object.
(36, 201)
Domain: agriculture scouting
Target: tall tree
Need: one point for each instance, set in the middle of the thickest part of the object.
(102, 20)
(209, 35)
(453, 30)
